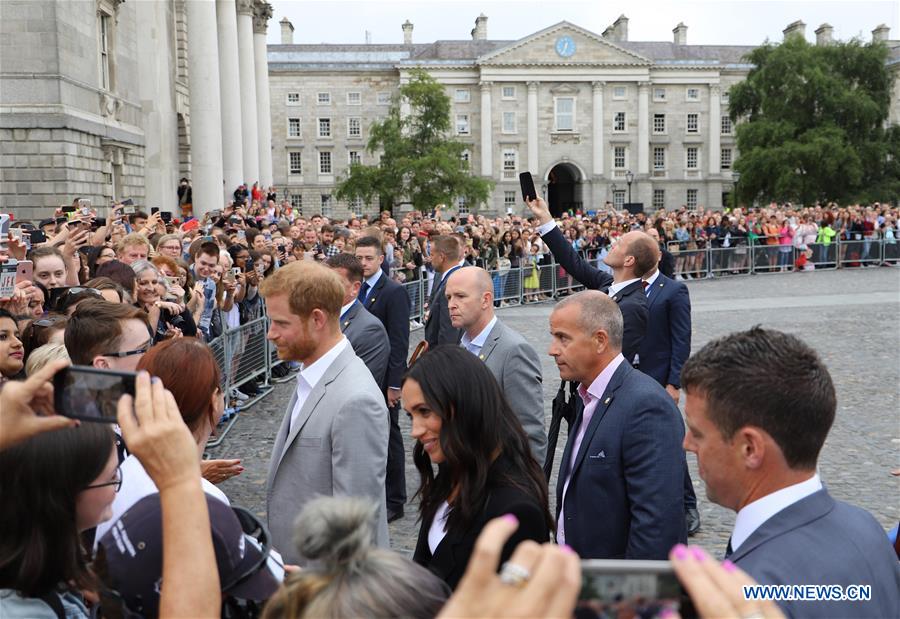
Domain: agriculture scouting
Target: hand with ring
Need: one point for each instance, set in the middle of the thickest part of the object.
(539, 580)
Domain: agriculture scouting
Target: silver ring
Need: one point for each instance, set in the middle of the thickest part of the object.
(514, 575)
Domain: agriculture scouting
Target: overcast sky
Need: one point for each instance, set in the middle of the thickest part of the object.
(746, 22)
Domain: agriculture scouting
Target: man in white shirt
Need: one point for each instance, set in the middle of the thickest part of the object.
(334, 437)
(513, 361)
(759, 406)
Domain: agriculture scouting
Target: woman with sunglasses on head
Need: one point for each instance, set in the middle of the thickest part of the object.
(55, 486)
(463, 424)
(168, 318)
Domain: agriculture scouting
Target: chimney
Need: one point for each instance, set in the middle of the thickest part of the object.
(621, 27)
(287, 32)
(479, 32)
(407, 32)
(881, 33)
(680, 32)
(368, 37)
(609, 33)
(797, 28)
(824, 34)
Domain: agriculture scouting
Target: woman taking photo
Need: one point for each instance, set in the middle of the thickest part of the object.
(167, 318)
(56, 486)
(463, 424)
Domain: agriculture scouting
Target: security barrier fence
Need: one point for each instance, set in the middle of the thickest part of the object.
(244, 354)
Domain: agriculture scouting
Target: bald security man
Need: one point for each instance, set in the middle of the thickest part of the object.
(513, 361)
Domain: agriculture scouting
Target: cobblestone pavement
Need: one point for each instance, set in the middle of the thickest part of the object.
(850, 317)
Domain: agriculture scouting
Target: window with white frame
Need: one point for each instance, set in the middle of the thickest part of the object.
(354, 98)
(323, 98)
(462, 207)
(324, 128)
(692, 94)
(508, 92)
(293, 127)
(619, 157)
(659, 198)
(465, 157)
(326, 205)
(295, 162)
(354, 127)
(564, 108)
(293, 98)
(297, 202)
(619, 93)
(619, 122)
(324, 162)
(353, 156)
(727, 127)
(691, 201)
(510, 162)
(619, 198)
(693, 123)
(659, 94)
(509, 122)
(692, 158)
(105, 22)
(356, 206)
(383, 98)
(462, 95)
(659, 123)
(726, 98)
(725, 160)
(509, 199)
(462, 124)
(659, 158)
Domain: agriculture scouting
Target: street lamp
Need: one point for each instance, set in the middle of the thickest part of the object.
(629, 178)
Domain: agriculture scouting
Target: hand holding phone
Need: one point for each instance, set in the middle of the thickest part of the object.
(26, 407)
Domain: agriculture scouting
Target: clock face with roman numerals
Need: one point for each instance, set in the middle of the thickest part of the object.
(565, 46)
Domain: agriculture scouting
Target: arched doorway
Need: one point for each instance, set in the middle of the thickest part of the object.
(564, 189)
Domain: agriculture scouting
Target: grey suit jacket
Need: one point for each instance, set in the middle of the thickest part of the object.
(369, 340)
(337, 446)
(517, 367)
(820, 541)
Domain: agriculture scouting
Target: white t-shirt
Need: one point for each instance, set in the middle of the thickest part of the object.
(136, 484)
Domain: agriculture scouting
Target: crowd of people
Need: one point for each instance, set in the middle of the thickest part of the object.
(101, 514)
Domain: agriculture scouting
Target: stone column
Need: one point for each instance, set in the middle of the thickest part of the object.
(643, 146)
(206, 112)
(715, 129)
(597, 129)
(247, 88)
(487, 141)
(533, 162)
(264, 113)
(229, 78)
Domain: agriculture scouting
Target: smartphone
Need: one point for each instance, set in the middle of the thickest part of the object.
(188, 226)
(99, 222)
(236, 271)
(4, 227)
(166, 216)
(85, 205)
(527, 184)
(8, 279)
(91, 394)
(37, 237)
(128, 202)
(631, 588)
(154, 210)
(21, 235)
(241, 234)
(67, 209)
(24, 271)
(129, 210)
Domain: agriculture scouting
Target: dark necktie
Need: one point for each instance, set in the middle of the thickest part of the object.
(646, 287)
(728, 550)
(363, 291)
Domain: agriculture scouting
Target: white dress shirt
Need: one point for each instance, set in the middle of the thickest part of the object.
(372, 281)
(617, 286)
(547, 227)
(650, 280)
(346, 308)
(475, 344)
(755, 514)
(310, 376)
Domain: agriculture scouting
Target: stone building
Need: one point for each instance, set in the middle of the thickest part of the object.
(111, 99)
(584, 113)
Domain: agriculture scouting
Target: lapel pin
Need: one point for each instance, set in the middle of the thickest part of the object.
(607, 400)
(481, 357)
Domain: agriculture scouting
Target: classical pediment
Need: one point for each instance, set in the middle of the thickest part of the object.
(562, 44)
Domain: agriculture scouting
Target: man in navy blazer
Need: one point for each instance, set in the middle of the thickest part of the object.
(619, 494)
(388, 301)
(664, 349)
(632, 256)
(759, 407)
(446, 258)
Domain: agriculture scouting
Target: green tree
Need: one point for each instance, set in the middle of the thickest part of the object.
(811, 124)
(419, 163)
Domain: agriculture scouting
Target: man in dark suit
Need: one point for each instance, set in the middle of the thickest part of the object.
(510, 358)
(666, 259)
(365, 332)
(759, 406)
(619, 493)
(631, 257)
(446, 257)
(388, 302)
(663, 352)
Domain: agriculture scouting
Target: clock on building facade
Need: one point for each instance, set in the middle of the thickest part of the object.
(565, 46)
